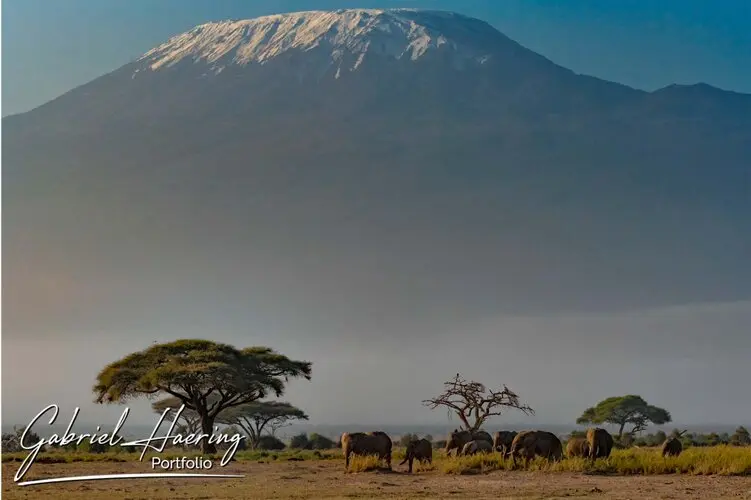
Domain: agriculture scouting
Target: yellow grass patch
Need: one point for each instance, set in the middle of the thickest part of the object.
(358, 463)
(720, 460)
(716, 460)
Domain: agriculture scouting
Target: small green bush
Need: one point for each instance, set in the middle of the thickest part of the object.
(270, 443)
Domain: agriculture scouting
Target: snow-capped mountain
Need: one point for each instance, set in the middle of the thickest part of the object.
(398, 33)
(337, 159)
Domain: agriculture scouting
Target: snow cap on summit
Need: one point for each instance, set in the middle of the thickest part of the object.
(396, 33)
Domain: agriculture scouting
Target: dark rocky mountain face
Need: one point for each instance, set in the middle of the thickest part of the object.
(405, 187)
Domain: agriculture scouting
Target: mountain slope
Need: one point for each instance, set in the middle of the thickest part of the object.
(387, 165)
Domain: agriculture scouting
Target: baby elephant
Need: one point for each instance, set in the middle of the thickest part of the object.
(420, 450)
(577, 447)
(672, 447)
(477, 446)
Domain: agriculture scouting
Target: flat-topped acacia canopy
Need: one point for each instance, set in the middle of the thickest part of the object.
(206, 376)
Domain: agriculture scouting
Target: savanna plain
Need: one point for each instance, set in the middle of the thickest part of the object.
(636, 473)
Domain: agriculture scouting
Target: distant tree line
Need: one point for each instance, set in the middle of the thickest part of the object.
(740, 437)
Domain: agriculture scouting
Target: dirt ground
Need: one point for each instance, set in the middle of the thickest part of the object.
(326, 479)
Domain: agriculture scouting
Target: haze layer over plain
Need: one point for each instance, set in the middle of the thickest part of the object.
(371, 190)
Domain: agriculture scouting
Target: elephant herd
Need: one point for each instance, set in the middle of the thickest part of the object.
(526, 445)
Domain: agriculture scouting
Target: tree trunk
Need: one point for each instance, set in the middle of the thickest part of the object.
(207, 427)
(250, 432)
(259, 431)
(620, 431)
(464, 420)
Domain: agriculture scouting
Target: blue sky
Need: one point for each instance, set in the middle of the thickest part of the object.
(50, 47)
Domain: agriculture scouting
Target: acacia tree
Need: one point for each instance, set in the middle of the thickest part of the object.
(625, 410)
(190, 419)
(741, 437)
(473, 403)
(207, 377)
(258, 416)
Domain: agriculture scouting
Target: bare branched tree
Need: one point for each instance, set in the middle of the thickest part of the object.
(473, 403)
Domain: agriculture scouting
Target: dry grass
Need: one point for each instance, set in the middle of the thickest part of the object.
(372, 463)
(365, 464)
(719, 460)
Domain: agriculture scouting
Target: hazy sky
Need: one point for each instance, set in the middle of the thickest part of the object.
(382, 328)
(51, 47)
(692, 360)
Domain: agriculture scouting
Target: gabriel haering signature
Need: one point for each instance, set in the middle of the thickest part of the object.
(113, 439)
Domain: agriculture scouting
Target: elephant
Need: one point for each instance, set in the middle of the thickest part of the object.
(600, 443)
(420, 450)
(457, 439)
(529, 444)
(577, 447)
(371, 443)
(672, 447)
(502, 441)
(476, 446)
